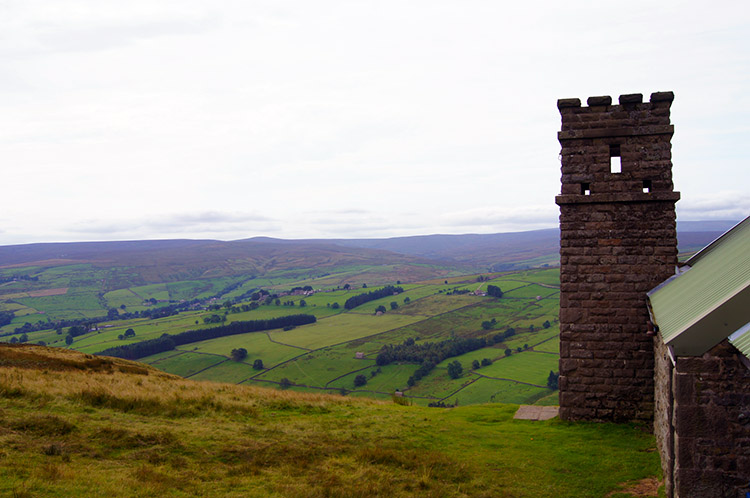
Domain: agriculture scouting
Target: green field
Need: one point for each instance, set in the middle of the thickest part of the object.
(321, 356)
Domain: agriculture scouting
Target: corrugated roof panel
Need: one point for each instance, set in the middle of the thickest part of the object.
(741, 340)
(717, 281)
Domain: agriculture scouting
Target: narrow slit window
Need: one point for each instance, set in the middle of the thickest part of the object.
(646, 186)
(615, 161)
(585, 189)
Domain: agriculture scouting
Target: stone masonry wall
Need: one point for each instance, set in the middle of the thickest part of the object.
(664, 412)
(711, 425)
(618, 241)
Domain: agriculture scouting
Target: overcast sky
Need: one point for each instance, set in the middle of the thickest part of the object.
(223, 119)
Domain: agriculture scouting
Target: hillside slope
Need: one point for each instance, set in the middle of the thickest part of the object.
(101, 431)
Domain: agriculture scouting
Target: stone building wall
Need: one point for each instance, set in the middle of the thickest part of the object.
(618, 241)
(664, 412)
(711, 420)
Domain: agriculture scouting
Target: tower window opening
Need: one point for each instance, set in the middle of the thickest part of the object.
(585, 189)
(646, 186)
(615, 161)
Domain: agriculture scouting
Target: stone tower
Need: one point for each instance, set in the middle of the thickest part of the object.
(618, 240)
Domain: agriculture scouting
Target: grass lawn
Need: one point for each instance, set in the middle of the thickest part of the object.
(527, 366)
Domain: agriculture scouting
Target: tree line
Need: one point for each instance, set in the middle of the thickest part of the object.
(168, 342)
(428, 354)
(360, 299)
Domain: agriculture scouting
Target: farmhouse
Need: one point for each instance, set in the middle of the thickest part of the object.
(618, 245)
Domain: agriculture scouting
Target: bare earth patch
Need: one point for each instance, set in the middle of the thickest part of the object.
(645, 488)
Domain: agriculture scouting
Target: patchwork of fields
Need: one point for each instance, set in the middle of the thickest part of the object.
(343, 344)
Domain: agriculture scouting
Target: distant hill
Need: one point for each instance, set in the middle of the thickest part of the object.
(171, 260)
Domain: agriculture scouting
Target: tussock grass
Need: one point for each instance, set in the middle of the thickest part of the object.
(113, 432)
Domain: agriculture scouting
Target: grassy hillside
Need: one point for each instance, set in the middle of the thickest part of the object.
(76, 425)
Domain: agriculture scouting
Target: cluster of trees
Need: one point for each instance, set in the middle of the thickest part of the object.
(488, 324)
(485, 363)
(22, 338)
(238, 354)
(127, 335)
(494, 291)
(455, 369)
(302, 303)
(457, 292)
(15, 278)
(167, 342)
(428, 354)
(434, 352)
(360, 299)
(501, 336)
(6, 317)
(214, 318)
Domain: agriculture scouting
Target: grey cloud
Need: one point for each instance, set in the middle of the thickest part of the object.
(731, 205)
(207, 222)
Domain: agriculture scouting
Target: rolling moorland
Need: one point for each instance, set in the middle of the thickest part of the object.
(506, 347)
(132, 429)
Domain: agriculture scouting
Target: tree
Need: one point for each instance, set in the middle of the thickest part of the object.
(508, 352)
(475, 364)
(129, 333)
(277, 302)
(347, 286)
(455, 369)
(68, 339)
(285, 383)
(494, 291)
(553, 380)
(486, 362)
(380, 308)
(360, 380)
(364, 286)
(23, 337)
(531, 328)
(14, 340)
(335, 306)
(394, 305)
(239, 354)
(546, 324)
(302, 303)
(407, 300)
(258, 364)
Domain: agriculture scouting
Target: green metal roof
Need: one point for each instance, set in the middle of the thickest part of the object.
(741, 340)
(710, 300)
